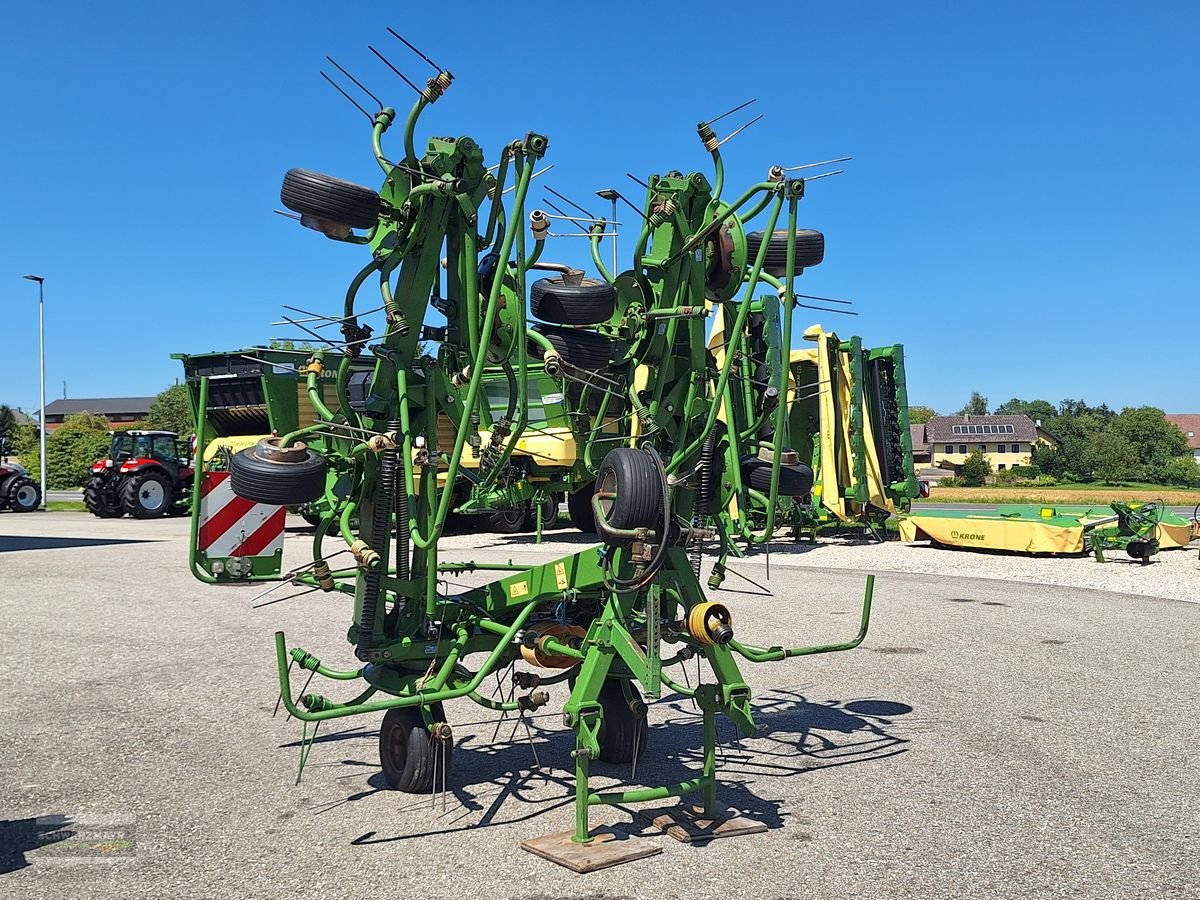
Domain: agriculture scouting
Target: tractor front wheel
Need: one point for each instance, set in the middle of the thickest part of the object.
(147, 495)
(23, 495)
(100, 500)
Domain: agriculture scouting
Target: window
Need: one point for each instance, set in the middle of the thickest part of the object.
(1001, 467)
(949, 448)
(962, 448)
(982, 448)
(1008, 429)
(1016, 448)
(992, 429)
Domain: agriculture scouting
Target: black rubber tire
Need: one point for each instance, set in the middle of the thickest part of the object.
(810, 250)
(794, 481)
(23, 494)
(620, 729)
(585, 350)
(134, 487)
(329, 198)
(100, 502)
(579, 508)
(277, 483)
(313, 519)
(588, 303)
(549, 513)
(408, 754)
(509, 521)
(635, 479)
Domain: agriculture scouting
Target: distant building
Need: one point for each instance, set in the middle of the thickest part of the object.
(118, 410)
(1005, 441)
(1189, 424)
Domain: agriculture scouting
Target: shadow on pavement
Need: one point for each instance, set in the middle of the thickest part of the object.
(33, 542)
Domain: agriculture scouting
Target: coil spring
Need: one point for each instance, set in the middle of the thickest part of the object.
(706, 487)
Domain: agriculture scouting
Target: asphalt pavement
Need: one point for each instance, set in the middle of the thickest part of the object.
(989, 739)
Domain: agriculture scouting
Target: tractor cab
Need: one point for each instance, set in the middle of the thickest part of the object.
(163, 447)
(146, 474)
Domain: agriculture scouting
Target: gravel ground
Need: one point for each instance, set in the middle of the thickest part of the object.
(987, 740)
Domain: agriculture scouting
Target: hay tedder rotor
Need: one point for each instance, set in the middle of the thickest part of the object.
(453, 250)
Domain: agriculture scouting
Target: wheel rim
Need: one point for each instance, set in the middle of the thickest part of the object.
(152, 495)
(26, 495)
(393, 751)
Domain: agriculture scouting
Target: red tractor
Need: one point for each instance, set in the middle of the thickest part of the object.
(18, 491)
(147, 474)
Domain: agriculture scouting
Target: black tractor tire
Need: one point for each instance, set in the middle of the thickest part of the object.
(635, 479)
(329, 198)
(509, 521)
(579, 508)
(584, 350)
(140, 490)
(100, 502)
(23, 494)
(588, 303)
(810, 250)
(549, 512)
(277, 483)
(408, 754)
(622, 731)
(794, 480)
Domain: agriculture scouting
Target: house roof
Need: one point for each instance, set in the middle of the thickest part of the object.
(101, 406)
(940, 429)
(1187, 422)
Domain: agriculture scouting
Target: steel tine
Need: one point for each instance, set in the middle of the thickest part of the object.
(285, 214)
(436, 67)
(730, 112)
(822, 299)
(824, 175)
(513, 187)
(824, 162)
(565, 216)
(570, 201)
(734, 134)
(388, 63)
(361, 86)
(337, 87)
(637, 180)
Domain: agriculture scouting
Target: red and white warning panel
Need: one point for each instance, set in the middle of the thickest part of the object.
(237, 537)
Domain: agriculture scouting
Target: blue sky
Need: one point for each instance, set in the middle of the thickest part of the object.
(1019, 211)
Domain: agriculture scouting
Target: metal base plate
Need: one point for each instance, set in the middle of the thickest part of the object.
(688, 824)
(607, 848)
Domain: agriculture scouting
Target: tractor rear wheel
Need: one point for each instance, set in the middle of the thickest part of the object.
(329, 199)
(147, 495)
(623, 728)
(410, 756)
(587, 303)
(100, 500)
(23, 495)
(579, 508)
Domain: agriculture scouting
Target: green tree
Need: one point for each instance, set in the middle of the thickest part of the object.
(975, 470)
(73, 447)
(1110, 457)
(919, 415)
(976, 406)
(1183, 471)
(8, 429)
(1035, 409)
(172, 411)
(1155, 440)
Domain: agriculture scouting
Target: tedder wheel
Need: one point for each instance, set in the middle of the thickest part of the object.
(146, 495)
(330, 199)
(23, 495)
(635, 480)
(100, 502)
(795, 480)
(623, 728)
(579, 508)
(549, 511)
(279, 477)
(409, 754)
(587, 303)
(810, 250)
(509, 521)
(581, 349)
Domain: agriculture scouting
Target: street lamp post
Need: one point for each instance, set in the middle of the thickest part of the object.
(42, 380)
(611, 195)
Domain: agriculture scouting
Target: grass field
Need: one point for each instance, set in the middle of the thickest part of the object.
(1064, 495)
(65, 506)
